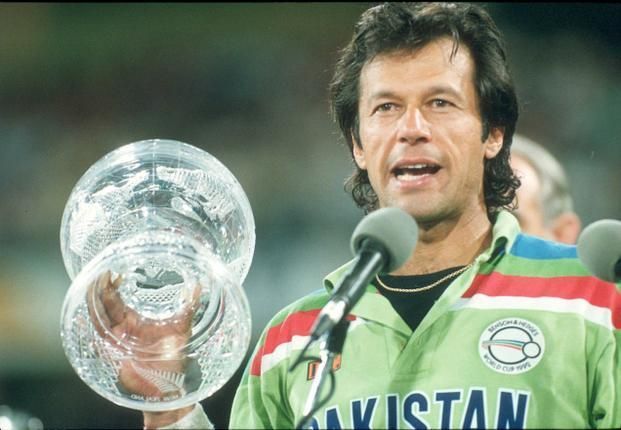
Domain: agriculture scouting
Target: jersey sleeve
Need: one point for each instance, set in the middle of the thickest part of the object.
(260, 400)
(264, 394)
(256, 407)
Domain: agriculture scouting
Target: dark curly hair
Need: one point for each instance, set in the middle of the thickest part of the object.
(394, 27)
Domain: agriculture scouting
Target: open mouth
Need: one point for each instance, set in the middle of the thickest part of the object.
(414, 171)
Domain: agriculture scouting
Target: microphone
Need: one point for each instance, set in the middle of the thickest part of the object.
(381, 242)
(599, 249)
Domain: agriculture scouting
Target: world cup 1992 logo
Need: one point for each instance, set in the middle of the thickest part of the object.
(511, 345)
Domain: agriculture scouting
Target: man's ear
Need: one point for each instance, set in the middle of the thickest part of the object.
(566, 228)
(493, 144)
(358, 154)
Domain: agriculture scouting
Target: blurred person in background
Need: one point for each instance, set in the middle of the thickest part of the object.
(544, 204)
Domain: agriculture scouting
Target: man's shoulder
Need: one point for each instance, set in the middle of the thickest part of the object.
(535, 256)
(538, 274)
(302, 310)
(287, 332)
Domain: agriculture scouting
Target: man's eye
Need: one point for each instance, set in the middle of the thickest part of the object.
(385, 107)
(440, 103)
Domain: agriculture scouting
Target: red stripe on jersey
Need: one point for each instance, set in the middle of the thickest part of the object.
(595, 291)
(296, 324)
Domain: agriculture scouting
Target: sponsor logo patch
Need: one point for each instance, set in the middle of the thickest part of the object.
(511, 346)
(313, 366)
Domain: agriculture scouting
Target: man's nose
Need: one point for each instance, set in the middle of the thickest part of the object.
(413, 127)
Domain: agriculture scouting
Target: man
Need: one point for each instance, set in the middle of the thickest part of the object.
(483, 326)
(544, 204)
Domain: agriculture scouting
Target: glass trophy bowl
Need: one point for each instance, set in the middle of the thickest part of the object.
(158, 237)
(163, 185)
(155, 322)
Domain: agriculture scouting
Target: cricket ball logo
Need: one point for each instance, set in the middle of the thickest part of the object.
(511, 345)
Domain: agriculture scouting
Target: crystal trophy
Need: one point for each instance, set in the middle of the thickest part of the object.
(157, 237)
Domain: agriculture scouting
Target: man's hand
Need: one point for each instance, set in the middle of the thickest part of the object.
(153, 367)
(155, 420)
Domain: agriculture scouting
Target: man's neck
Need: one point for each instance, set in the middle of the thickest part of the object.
(449, 243)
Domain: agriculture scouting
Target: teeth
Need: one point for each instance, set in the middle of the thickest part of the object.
(411, 171)
(415, 166)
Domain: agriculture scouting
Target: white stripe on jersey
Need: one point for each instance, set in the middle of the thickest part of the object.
(296, 343)
(595, 314)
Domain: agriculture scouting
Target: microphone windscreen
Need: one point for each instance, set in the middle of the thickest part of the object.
(393, 229)
(599, 249)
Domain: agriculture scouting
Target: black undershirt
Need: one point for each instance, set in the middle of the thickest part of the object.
(412, 307)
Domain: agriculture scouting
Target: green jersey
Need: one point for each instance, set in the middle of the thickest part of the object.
(525, 338)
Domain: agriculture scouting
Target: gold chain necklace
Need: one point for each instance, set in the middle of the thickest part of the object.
(427, 287)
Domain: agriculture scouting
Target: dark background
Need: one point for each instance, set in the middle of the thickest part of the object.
(248, 84)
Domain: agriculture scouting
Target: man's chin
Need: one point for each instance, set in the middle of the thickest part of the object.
(427, 219)
(421, 212)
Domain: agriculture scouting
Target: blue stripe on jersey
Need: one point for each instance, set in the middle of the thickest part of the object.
(540, 249)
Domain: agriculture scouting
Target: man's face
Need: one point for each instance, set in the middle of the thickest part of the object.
(420, 132)
(529, 211)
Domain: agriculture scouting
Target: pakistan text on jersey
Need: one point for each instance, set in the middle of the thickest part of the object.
(416, 407)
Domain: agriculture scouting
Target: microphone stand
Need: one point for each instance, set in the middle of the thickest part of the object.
(331, 346)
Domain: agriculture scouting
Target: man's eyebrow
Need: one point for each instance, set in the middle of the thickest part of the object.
(382, 94)
(444, 89)
(433, 90)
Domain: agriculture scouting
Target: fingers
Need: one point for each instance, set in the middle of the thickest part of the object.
(96, 309)
(196, 295)
(113, 304)
(194, 301)
(104, 304)
(184, 320)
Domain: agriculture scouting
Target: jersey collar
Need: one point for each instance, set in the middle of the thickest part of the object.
(376, 307)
